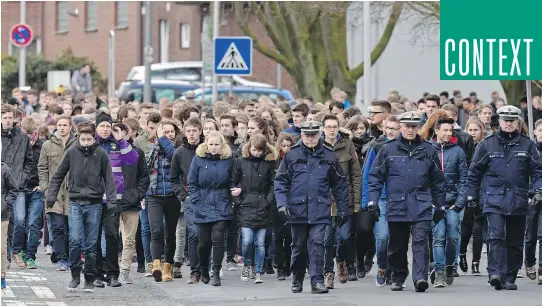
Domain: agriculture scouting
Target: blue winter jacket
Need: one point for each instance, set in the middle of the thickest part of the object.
(453, 160)
(158, 159)
(410, 169)
(504, 165)
(209, 185)
(369, 160)
(293, 130)
(303, 182)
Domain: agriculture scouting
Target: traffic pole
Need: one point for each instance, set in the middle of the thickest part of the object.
(148, 52)
(22, 50)
(366, 56)
(111, 77)
(216, 16)
(530, 109)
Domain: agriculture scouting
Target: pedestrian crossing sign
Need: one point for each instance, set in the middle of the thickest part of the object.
(233, 55)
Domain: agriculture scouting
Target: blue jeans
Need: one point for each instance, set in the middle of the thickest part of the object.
(35, 211)
(84, 224)
(253, 238)
(446, 235)
(18, 219)
(337, 241)
(57, 230)
(145, 234)
(382, 235)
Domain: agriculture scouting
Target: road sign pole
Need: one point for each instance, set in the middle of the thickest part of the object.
(216, 16)
(22, 50)
(148, 52)
(366, 56)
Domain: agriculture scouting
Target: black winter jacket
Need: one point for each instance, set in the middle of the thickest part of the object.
(180, 165)
(9, 191)
(34, 180)
(17, 154)
(255, 205)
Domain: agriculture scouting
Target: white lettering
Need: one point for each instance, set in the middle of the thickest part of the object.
(515, 60)
(502, 57)
(478, 58)
(451, 42)
(464, 51)
(528, 41)
(491, 41)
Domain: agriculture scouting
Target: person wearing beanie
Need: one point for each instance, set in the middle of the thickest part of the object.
(121, 155)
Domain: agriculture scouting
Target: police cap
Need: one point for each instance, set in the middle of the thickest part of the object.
(310, 127)
(410, 118)
(509, 112)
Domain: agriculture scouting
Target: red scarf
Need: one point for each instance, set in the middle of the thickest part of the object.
(34, 137)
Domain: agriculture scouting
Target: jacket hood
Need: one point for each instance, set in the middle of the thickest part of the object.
(271, 152)
(225, 153)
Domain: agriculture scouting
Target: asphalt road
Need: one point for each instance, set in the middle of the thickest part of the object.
(46, 286)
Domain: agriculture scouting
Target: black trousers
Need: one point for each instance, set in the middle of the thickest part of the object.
(110, 264)
(474, 225)
(398, 249)
(158, 208)
(365, 242)
(283, 243)
(139, 246)
(211, 235)
(232, 240)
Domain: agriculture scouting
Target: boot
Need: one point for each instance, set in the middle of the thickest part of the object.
(76, 280)
(342, 271)
(421, 285)
(157, 270)
(177, 270)
(329, 280)
(297, 284)
(215, 280)
(167, 275)
(269, 267)
(463, 265)
(319, 288)
(352, 277)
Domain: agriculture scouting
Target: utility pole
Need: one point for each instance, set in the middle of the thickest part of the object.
(366, 56)
(216, 16)
(22, 50)
(148, 52)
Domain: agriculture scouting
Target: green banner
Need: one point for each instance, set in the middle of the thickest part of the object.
(491, 40)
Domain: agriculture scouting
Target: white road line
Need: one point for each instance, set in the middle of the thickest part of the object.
(43, 292)
(7, 292)
(14, 303)
(56, 304)
(19, 286)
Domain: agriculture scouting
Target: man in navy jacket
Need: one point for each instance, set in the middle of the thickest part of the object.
(409, 167)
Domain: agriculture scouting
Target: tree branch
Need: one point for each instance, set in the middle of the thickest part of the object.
(270, 23)
(379, 49)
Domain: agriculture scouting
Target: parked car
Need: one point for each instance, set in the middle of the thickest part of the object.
(242, 92)
(133, 90)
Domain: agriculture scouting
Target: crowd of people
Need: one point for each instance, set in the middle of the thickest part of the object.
(276, 187)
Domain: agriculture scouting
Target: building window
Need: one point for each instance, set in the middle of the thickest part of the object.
(121, 14)
(185, 36)
(62, 16)
(91, 14)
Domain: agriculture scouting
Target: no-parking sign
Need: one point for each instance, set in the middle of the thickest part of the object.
(21, 35)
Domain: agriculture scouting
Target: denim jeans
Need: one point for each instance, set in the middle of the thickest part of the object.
(84, 225)
(446, 235)
(18, 219)
(253, 242)
(382, 235)
(58, 227)
(145, 234)
(533, 234)
(35, 211)
(337, 241)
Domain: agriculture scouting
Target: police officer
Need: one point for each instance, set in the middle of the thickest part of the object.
(302, 190)
(409, 167)
(504, 164)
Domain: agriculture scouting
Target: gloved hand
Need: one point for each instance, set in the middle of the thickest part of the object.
(341, 221)
(537, 198)
(438, 215)
(472, 202)
(374, 210)
(49, 204)
(284, 212)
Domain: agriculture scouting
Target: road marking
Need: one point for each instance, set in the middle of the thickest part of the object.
(7, 292)
(43, 292)
(14, 303)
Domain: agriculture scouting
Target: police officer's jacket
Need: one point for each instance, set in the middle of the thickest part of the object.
(502, 165)
(413, 177)
(303, 182)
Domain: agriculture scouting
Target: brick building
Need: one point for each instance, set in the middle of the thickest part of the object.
(85, 26)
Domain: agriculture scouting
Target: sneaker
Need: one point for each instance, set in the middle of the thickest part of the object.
(18, 258)
(114, 282)
(124, 277)
(31, 264)
(258, 279)
(194, 279)
(440, 280)
(215, 280)
(463, 265)
(89, 286)
(245, 274)
(329, 280)
(148, 271)
(140, 268)
(352, 277)
(232, 266)
(74, 283)
(252, 272)
(48, 250)
(361, 271)
(539, 281)
(368, 264)
(520, 273)
(177, 270)
(280, 274)
(381, 277)
(342, 272)
(268, 266)
(421, 285)
(99, 283)
(62, 265)
(449, 275)
(4, 285)
(531, 272)
(475, 268)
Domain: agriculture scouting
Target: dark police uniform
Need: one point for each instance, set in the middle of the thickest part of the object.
(410, 170)
(505, 164)
(302, 188)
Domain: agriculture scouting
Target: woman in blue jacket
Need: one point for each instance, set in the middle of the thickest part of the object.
(209, 192)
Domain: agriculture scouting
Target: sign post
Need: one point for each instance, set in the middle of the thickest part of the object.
(21, 36)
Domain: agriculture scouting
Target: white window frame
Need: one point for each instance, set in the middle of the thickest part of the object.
(62, 16)
(185, 35)
(122, 14)
(164, 41)
(91, 15)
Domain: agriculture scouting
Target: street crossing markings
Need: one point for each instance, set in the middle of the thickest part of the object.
(7, 292)
(43, 292)
(233, 60)
(32, 303)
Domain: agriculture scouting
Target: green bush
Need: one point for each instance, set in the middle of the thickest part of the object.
(37, 67)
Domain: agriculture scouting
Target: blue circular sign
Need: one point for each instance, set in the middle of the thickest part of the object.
(21, 35)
